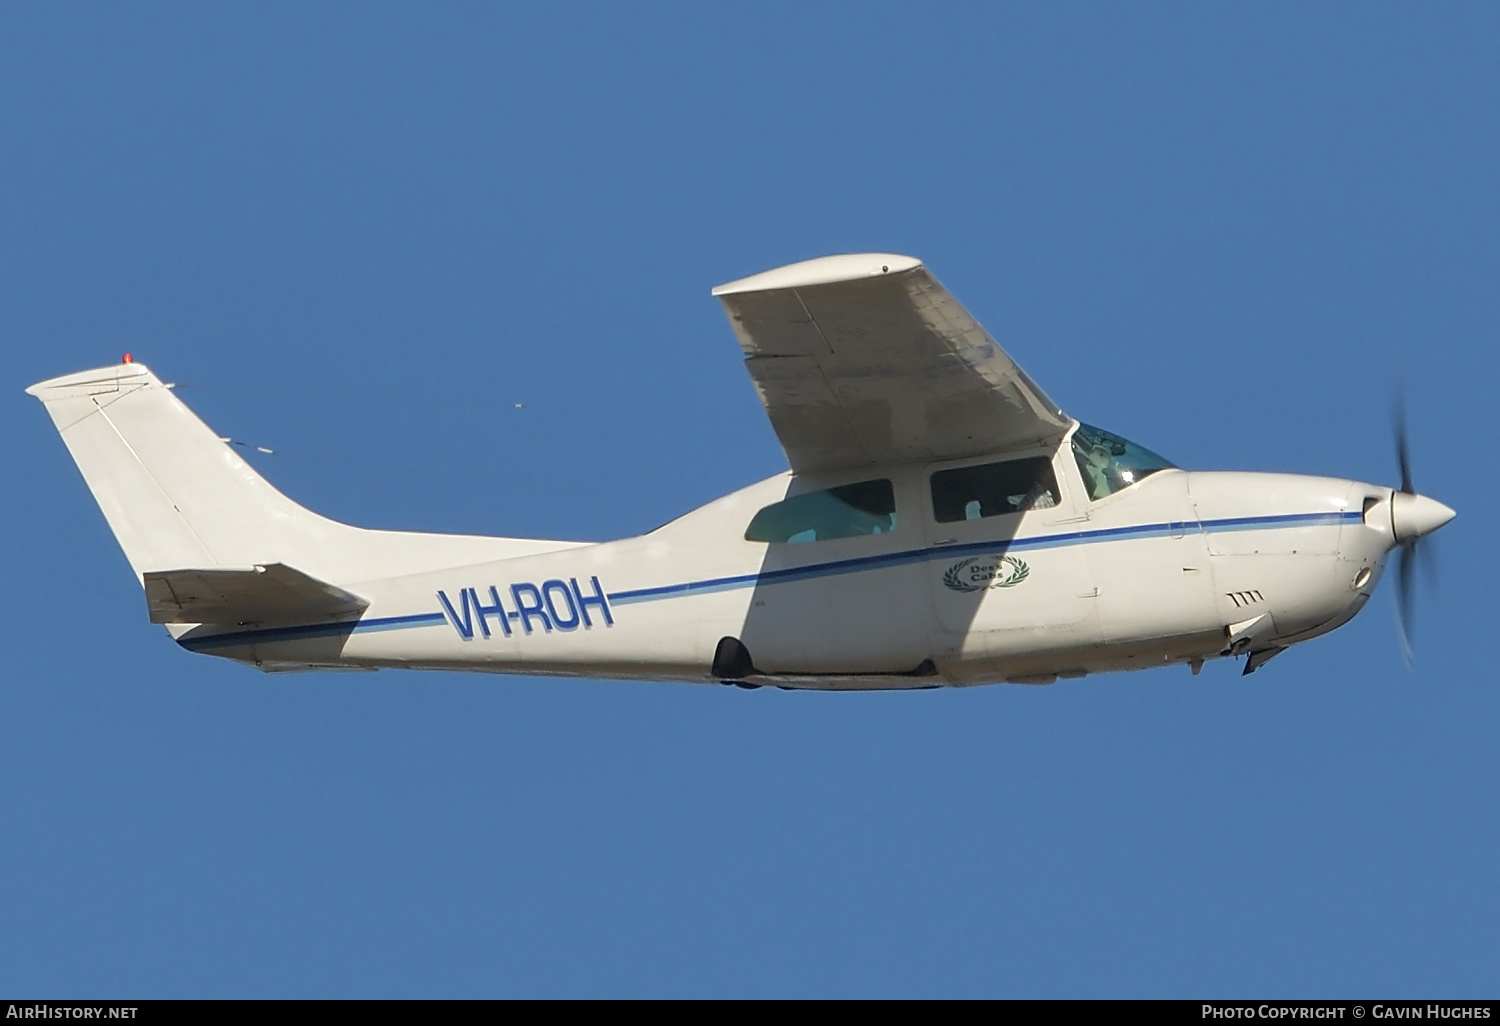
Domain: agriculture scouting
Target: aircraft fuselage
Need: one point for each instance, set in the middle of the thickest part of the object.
(1178, 568)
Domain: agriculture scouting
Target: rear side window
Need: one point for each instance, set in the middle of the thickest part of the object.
(847, 511)
(993, 489)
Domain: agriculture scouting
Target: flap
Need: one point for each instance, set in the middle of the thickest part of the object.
(272, 594)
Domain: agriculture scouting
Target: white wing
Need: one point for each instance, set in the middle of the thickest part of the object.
(865, 359)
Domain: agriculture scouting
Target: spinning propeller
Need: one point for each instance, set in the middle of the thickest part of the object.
(1412, 517)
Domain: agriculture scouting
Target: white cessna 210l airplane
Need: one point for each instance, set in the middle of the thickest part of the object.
(943, 522)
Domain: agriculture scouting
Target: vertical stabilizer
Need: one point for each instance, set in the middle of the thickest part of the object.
(177, 497)
(174, 493)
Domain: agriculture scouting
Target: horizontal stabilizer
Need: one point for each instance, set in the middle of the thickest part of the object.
(272, 594)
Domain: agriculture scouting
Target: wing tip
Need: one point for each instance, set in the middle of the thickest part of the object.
(821, 271)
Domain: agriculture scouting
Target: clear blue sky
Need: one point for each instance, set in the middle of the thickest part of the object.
(360, 234)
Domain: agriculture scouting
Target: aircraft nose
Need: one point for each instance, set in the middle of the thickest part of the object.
(1413, 516)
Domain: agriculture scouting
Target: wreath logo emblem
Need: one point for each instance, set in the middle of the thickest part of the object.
(981, 572)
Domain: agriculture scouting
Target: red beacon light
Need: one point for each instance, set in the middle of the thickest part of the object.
(127, 358)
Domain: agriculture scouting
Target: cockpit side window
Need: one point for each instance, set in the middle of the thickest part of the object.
(847, 511)
(993, 489)
(1109, 463)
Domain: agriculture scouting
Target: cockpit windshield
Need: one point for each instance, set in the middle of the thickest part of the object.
(1110, 463)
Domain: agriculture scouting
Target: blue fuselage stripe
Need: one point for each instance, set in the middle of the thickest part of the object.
(315, 630)
(995, 546)
(833, 568)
